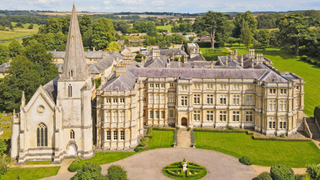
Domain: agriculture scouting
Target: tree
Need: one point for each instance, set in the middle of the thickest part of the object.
(103, 33)
(239, 23)
(198, 24)
(246, 35)
(116, 172)
(180, 19)
(53, 25)
(113, 46)
(30, 26)
(15, 48)
(3, 148)
(87, 38)
(263, 38)
(151, 29)
(4, 53)
(89, 171)
(214, 23)
(85, 23)
(293, 29)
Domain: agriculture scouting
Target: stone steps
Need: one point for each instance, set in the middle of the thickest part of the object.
(313, 128)
(184, 139)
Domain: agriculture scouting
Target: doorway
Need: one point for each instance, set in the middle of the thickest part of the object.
(184, 121)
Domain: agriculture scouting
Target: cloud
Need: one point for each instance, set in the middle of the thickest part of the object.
(158, 3)
(106, 2)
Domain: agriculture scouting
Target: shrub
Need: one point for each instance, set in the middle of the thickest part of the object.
(264, 176)
(304, 58)
(149, 132)
(246, 160)
(143, 143)
(318, 63)
(89, 170)
(281, 172)
(314, 171)
(137, 149)
(116, 172)
(74, 166)
(316, 114)
(282, 135)
(312, 61)
(178, 127)
(230, 128)
(189, 128)
(304, 177)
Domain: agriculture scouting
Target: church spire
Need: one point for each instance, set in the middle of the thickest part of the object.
(75, 66)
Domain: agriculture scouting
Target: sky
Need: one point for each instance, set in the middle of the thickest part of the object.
(181, 6)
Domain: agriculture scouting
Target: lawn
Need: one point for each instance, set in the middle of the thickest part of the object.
(286, 62)
(107, 157)
(18, 32)
(265, 153)
(213, 55)
(167, 27)
(161, 139)
(38, 162)
(30, 173)
(6, 128)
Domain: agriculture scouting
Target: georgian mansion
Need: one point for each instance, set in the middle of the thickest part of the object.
(69, 117)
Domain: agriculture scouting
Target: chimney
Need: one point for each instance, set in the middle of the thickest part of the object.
(251, 53)
(185, 58)
(155, 53)
(236, 52)
(142, 61)
(227, 59)
(233, 56)
(211, 65)
(93, 49)
(121, 70)
(252, 63)
(241, 61)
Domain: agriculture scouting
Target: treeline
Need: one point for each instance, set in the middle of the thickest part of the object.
(7, 20)
(161, 13)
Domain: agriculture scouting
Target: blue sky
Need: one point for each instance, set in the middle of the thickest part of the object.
(183, 6)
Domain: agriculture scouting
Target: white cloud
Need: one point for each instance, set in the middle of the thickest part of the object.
(132, 2)
(158, 3)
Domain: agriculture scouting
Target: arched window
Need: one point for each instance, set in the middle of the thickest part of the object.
(71, 73)
(42, 135)
(71, 134)
(69, 90)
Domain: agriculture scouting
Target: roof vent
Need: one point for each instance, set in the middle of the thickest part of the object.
(274, 80)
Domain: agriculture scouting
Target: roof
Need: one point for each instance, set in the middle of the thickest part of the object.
(87, 54)
(157, 62)
(164, 52)
(51, 88)
(121, 82)
(4, 67)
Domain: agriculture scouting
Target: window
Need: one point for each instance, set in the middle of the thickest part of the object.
(210, 86)
(171, 85)
(115, 117)
(223, 99)
(71, 73)
(162, 85)
(272, 123)
(272, 91)
(156, 100)
(283, 105)
(283, 123)
(272, 105)
(122, 116)
(235, 86)
(69, 90)
(162, 114)
(223, 115)
(283, 91)
(183, 87)
(71, 134)
(248, 115)
(156, 85)
(171, 113)
(249, 86)
(162, 99)
(150, 98)
(171, 98)
(297, 102)
(121, 100)
(249, 100)
(108, 135)
(236, 99)
(184, 101)
(196, 86)
(157, 114)
(108, 101)
(115, 100)
(223, 86)
(115, 135)
(235, 116)
(196, 115)
(108, 116)
(151, 114)
(196, 99)
(209, 99)
(42, 135)
(151, 85)
(144, 99)
(209, 115)
(121, 135)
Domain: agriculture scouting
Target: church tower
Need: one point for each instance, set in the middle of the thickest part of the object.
(74, 99)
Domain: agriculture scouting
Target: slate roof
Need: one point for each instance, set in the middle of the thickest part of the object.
(157, 62)
(120, 83)
(87, 54)
(164, 52)
(101, 65)
(51, 88)
(197, 58)
(4, 67)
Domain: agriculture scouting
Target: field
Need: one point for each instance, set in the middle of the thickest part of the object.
(103, 157)
(18, 32)
(161, 139)
(286, 62)
(167, 27)
(30, 173)
(264, 153)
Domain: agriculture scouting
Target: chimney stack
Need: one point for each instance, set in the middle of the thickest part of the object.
(211, 65)
(23, 100)
(227, 59)
(236, 52)
(121, 70)
(93, 49)
(241, 61)
(155, 53)
(252, 63)
(233, 56)
(251, 53)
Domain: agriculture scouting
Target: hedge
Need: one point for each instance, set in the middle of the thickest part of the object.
(263, 176)
(175, 137)
(307, 59)
(246, 160)
(222, 130)
(149, 133)
(282, 172)
(174, 174)
(314, 171)
(257, 137)
(204, 44)
(193, 138)
(164, 128)
(316, 114)
(74, 166)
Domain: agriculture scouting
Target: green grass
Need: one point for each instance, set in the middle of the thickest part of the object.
(265, 153)
(209, 55)
(30, 173)
(18, 32)
(161, 139)
(6, 128)
(287, 62)
(38, 162)
(167, 27)
(107, 157)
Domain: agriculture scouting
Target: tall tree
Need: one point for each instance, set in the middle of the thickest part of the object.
(103, 33)
(85, 23)
(15, 48)
(246, 34)
(293, 30)
(214, 23)
(240, 20)
(263, 37)
(4, 53)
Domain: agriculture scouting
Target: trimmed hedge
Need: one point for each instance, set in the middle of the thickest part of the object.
(175, 137)
(304, 177)
(193, 138)
(282, 172)
(222, 130)
(308, 60)
(316, 114)
(246, 160)
(257, 137)
(164, 128)
(314, 171)
(149, 133)
(74, 166)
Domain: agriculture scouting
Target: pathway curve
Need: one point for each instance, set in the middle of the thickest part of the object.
(228, 48)
(184, 139)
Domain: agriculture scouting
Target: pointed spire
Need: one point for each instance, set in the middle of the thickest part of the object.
(75, 66)
(23, 99)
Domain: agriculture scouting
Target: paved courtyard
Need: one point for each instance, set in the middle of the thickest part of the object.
(148, 165)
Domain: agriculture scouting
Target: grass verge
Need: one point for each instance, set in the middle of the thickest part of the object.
(38, 162)
(30, 173)
(167, 27)
(107, 157)
(161, 139)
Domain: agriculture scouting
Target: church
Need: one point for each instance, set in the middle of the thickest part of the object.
(69, 117)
